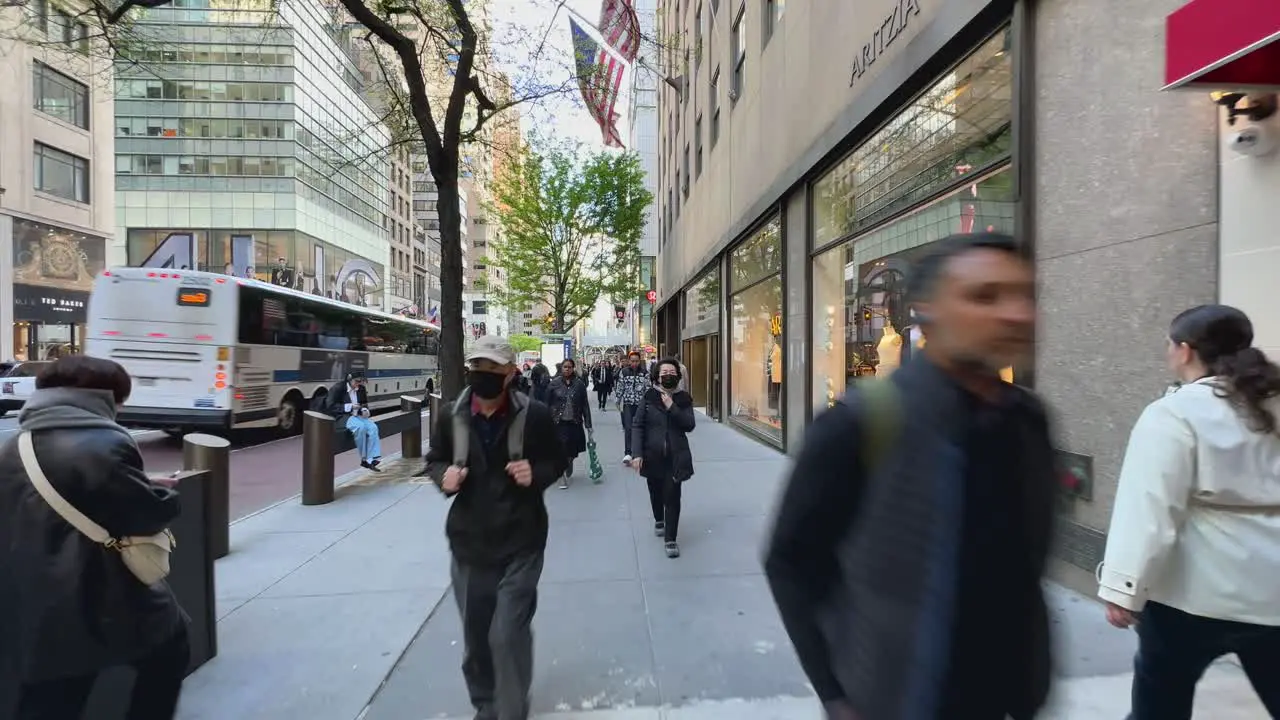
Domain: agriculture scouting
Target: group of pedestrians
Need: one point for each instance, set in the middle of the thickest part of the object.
(496, 452)
(912, 536)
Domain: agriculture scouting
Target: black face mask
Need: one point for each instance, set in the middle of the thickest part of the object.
(669, 382)
(486, 385)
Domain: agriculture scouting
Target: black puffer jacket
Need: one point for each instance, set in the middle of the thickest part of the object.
(69, 606)
(660, 435)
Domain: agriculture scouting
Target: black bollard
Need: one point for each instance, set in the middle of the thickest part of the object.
(411, 438)
(317, 458)
(212, 453)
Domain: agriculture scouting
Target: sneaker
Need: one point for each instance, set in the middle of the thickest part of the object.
(659, 528)
(626, 460)
(673, 550)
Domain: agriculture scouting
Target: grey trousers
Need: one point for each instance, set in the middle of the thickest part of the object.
(497, 604)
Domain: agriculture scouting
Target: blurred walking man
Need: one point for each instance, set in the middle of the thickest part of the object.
(928, 606)
(494, 454)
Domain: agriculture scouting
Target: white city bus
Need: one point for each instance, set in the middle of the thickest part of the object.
(214, 352)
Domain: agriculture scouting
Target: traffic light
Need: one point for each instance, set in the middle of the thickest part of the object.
(866, 314)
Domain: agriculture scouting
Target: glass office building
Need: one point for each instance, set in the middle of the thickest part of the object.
(250, 123)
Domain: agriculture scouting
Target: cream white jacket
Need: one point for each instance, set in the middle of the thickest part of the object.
(1196, 524)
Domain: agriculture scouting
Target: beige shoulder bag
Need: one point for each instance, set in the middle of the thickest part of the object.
(146, 557)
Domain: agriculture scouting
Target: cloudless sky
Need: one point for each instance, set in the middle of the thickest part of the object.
(520, 27)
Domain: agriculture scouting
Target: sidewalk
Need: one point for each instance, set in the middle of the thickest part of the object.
(341, 612)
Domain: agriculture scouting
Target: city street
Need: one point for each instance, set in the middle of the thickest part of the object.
(264, 469)
(342, 611)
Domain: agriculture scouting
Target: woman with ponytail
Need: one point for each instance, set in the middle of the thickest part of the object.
(1193, 555)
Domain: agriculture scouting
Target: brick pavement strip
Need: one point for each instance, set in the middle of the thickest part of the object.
(340, 611)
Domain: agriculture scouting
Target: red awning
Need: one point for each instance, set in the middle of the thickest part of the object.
(1223, 45)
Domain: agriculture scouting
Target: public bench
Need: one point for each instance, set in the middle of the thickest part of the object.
(323, 440)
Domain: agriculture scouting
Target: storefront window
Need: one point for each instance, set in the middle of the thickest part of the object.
(962, 124)
(309, 265)
(862, 325)
(702, 305)
(756, 332)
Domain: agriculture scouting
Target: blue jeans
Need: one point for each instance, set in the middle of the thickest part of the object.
(368, 444)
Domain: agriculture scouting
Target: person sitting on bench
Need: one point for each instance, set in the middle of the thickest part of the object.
(349, 406)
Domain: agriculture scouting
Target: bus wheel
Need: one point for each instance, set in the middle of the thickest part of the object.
(290, 414)
(175, 433)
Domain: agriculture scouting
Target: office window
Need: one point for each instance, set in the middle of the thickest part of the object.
(714, 104)
(38, 12)
(684, 179)
(697, 147)
(773, 10)
(738, 42)
(479, 307)
(59, 96)
(697, 36)
(61, 174)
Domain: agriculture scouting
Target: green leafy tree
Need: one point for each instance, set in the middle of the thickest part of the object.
(524, 343)
(570, 230)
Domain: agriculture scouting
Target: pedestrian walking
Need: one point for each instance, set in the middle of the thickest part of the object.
(602, 381)
(567, 398)
(539, 380)
(633, 381)
(349, 405)
(660, 436)
(495, 453)
(908, 549)
(69, 607)
(1193, 555)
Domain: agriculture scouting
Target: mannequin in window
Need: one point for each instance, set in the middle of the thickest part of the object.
(889, 351)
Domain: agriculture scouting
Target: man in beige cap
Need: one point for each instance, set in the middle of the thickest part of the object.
(495, 453)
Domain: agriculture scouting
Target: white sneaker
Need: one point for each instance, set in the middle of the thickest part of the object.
(626, 460)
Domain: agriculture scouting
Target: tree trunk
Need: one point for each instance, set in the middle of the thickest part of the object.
(451, 330)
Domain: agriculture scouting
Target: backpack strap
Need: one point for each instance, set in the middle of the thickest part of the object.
(880, 418)
(515, 431)
(461, 429)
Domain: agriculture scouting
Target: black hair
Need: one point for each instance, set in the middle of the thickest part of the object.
(1222, 337)
(656, 370)
(539, 374)
(569, 360)
(86, 373)
(927, 270)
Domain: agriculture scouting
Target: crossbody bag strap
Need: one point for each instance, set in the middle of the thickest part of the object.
(75, 518)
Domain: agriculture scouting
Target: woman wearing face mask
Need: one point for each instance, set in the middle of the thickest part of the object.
(1193, 555)
(659, 434)
(567, 398)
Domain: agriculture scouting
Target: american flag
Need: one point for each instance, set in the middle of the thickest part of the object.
(600, 80)
(620, 27)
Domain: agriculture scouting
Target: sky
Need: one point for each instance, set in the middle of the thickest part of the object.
(519, 29)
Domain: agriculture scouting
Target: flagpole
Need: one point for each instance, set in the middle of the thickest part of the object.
(604, 41)
(609, 48)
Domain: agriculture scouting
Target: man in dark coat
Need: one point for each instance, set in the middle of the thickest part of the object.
(910, 542)
(494, 453)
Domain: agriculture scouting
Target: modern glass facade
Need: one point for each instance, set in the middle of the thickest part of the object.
(250, 119)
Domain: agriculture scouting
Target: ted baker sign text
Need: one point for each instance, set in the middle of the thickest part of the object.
(883, 36)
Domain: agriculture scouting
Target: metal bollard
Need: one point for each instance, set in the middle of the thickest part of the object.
(212, 453)
(317, 458)
(411, 438)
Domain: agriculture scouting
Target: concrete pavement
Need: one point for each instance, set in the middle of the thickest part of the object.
(341, 612)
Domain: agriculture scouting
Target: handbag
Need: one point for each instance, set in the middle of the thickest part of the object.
(147, 557)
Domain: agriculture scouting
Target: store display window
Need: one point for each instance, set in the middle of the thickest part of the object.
(757, 366)
(862, 324)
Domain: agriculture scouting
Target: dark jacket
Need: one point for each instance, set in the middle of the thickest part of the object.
(568, 401)
(659, 435)
(869, 604)
(492, 518)
(69, 606)
(339, 396)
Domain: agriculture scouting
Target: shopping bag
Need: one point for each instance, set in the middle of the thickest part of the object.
(596, 471)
